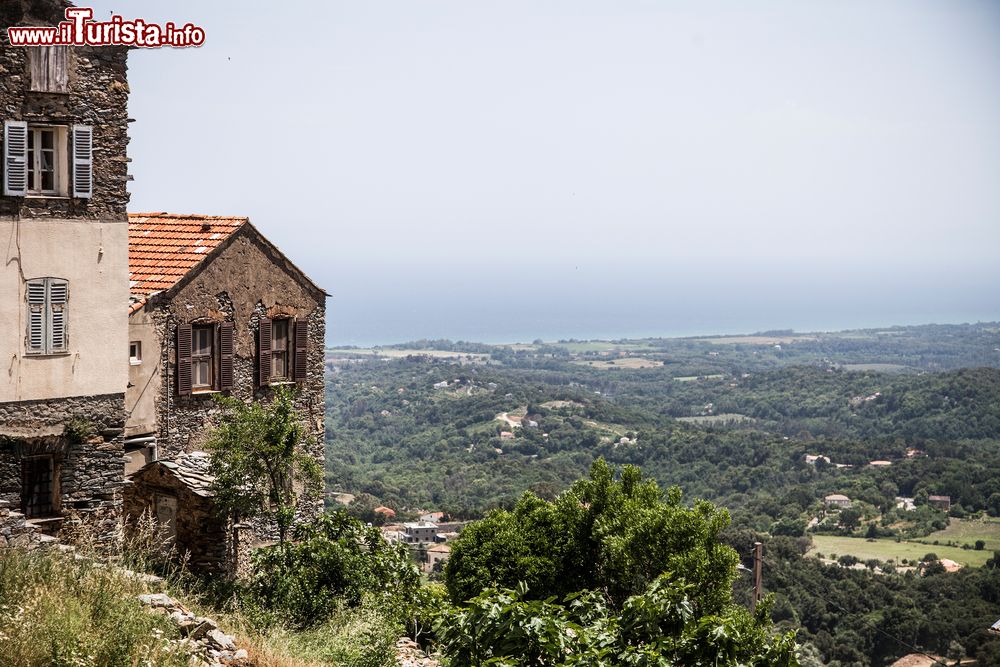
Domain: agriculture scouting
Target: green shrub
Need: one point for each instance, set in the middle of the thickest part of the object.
(334, 562)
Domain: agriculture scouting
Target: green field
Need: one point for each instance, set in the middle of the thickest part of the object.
(967, 531)
(581, 347)
(724, 418)
(889, 550)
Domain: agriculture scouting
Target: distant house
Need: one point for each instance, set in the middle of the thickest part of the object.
(432, 517)
(880, 463)
(905, 504)
(837, 500)
(420, 532)
(995, 628)
(506, 435)
(940, 502)
(387, 512)
(438, 553)
(811, 459)
(443, 384)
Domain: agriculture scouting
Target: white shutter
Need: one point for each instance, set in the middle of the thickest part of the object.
(15, 158)
(35, 296)
(58, 296)
(83, 161)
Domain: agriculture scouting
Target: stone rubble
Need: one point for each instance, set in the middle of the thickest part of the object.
(409, 654)
(201, 637)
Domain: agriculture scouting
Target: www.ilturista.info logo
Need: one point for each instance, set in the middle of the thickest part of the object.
(80, 30)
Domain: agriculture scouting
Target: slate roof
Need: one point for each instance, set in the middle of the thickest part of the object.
(164, 247)
(192, 470)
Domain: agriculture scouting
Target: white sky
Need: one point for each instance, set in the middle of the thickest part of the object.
(378, 140)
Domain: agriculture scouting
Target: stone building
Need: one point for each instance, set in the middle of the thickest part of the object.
(63, 273)
(178, 494)
(216, 309)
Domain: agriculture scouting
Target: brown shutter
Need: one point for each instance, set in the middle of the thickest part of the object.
(301, 343)
(264, 351)
(226, 356)
(184, 359)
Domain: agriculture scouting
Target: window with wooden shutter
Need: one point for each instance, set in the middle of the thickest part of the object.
(36, 316)
(301, 345)
(47, 300)
(226, 356)
(83, 161)
(184, 359)
(15, 158)
(264, 351)
(58, 298)
(49, 68)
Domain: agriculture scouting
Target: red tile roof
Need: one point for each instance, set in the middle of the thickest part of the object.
(163, 247)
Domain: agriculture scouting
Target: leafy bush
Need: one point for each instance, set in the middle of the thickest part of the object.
(606, 534)
(661, 626)
(334, 562)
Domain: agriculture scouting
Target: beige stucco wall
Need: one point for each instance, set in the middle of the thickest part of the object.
(93, 256)
(143, 378)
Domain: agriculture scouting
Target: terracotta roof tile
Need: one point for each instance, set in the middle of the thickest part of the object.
(164, 247)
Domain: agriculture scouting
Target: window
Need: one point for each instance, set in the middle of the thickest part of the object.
(202, 338)
(38, 162)
(47, 299)
(281, 350)
(135, 353)
(204, 357)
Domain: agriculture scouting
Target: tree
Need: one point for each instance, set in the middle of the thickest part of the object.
(617, 536)
(258, 460)
(850, 517)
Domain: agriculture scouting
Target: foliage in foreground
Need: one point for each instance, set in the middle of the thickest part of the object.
(656, 628)
(612, 535)
(334, 562)
(59, 611)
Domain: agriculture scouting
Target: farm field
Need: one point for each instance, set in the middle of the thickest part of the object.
(695, 378)
(753, 340)
(890, 550)
(724, 418)
(626, 362)
(967, 531)
(393, 353)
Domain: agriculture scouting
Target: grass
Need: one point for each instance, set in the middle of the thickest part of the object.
(57, 610)
(887, 549)
(967, 531)
(695, 378)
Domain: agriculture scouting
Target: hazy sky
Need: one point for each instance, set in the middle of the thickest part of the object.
(491, 169)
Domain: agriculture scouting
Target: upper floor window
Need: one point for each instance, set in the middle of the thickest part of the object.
(47, 160)
(49, 68)
(204, 357)
(281, 350)
(135, 352)
(47, 299)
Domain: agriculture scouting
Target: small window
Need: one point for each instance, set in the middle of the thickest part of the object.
(47, 164)
(280, 344)
(202, 344)
(47, 300)
(135, 353)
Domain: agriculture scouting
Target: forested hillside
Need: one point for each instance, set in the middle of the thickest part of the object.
(465, 428)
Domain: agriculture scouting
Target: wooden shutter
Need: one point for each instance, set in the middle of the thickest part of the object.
(301, 343)
(226, 356)
(49, 68)
(83, 161)
(58, 298)
(35, 295)
(264, 351)
(184, 359)
(15, 158)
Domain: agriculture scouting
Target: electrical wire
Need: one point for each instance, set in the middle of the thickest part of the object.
(826, 599)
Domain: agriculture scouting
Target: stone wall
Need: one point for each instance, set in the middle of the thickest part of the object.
(91, 468)
(14, 531)
(98, 96)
